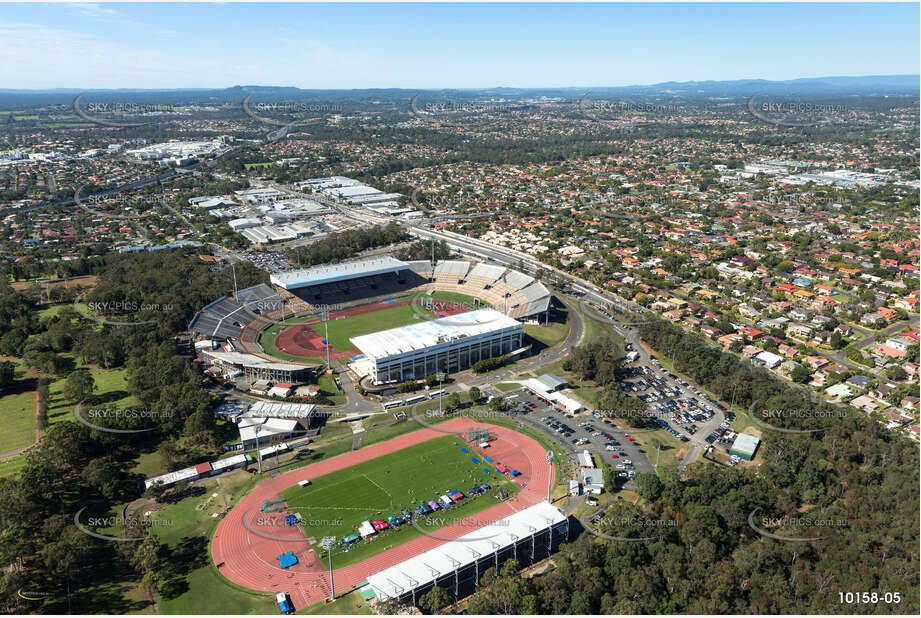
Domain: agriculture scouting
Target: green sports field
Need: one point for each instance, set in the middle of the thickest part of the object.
(336, 504)
(341, 330)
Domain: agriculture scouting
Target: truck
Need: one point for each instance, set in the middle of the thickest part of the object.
(284, 603)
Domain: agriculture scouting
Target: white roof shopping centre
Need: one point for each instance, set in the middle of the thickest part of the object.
(328, 273)
(463, 551)
(427, 334)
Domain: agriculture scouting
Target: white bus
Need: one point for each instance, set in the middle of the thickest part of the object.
(437, 394)
(413, 400)
(393, 404)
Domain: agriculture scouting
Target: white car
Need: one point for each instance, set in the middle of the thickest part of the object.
(621, 467)
(628, 462)
(609, 447)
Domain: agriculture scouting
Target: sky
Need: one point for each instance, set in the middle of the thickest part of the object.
(422, 46)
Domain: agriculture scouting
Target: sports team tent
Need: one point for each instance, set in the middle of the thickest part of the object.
(501, 468)
(287, 559)
(351, 539)
(366, 529)
(516, 473)
(433, 505)
(290, 520)
(446, 500)
(455, 495)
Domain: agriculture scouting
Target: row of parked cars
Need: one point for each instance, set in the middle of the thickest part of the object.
(719, 431)
(561, 428)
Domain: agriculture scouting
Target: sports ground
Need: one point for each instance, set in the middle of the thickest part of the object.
(336, 504)
(245, 546)
(304, 339)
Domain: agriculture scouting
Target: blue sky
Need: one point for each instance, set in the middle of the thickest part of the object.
(446, 45)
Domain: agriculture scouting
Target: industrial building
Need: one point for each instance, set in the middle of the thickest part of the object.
(527, 536)
(745, 446)
(448, 344)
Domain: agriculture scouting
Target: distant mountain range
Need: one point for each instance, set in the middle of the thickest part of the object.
(868, 86)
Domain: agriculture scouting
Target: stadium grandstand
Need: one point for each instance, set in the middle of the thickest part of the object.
(350, 281)
(527, 536)
(448, 344)
(242, 316)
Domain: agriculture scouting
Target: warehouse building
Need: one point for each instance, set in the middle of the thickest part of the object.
(527, 536)
(745, 446)
(448, 344)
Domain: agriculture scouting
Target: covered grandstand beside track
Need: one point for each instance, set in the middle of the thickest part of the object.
(448, 344)
(527, 536)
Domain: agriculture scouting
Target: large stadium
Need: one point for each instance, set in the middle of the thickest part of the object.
(387, 320)
(432, 507)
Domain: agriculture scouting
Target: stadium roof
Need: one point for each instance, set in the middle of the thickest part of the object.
(328, 273)
(279, 410)
(465, 550)
(427, 334)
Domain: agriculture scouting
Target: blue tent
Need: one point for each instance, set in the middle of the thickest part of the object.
(287, 559)
(487, 471)
(487, 457)
(474, 460)
(464, 451)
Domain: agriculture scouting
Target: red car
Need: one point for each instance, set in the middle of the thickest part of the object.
(614, 457)
(631, 439)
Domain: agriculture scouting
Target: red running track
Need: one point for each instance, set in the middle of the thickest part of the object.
(249, 559)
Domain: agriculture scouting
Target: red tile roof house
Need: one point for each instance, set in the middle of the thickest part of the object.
(885, 350)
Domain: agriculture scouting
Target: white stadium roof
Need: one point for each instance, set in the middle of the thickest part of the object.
(337, 272)
(427, 334)
(465, 550)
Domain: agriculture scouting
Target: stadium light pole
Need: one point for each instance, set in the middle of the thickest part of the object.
(326, 322)
(441, 378)
(328, 543)
(258, 452)
(549, 480)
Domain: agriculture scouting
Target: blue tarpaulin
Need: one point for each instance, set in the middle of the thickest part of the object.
(287, 559)
(487, 471)
(290, 520)
(464, 451)
(515, 473)
(487, 457)
(474, 460)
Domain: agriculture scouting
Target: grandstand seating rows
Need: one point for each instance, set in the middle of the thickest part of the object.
(244, 318)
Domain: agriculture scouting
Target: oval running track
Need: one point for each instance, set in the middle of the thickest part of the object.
(249, 559)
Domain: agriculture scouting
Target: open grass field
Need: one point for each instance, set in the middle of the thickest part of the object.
(336, 504)
(341, 330)
(17, 413)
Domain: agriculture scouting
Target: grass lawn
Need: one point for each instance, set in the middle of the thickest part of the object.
(12, 466)
(350, 604)
(328, 387)
(551, 335)
(111, 390)
(456, 297)
(17, 413)
(337, 503)
(506, 387)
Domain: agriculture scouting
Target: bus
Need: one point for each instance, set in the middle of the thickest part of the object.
(413, 400)
(393, 404)
(437, 394)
